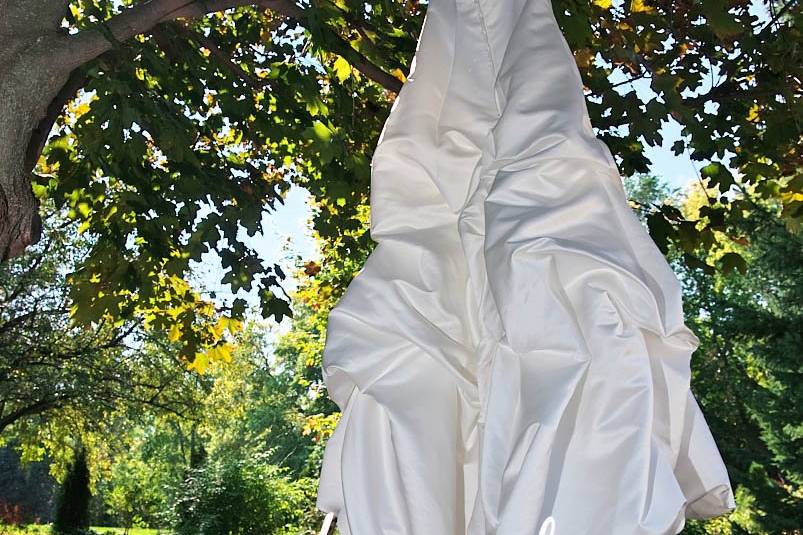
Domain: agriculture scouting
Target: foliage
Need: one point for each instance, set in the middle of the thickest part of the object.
(748, 374)
(241, 496)
(248, 410)
(125, 531)
(171, 153)
(134, 490)
(717, 70)
(72, 511)
(260, 422)
(32, 529)
(35, 529)
(183, 137)
(59, 381)
(149, 460)
(27, 492)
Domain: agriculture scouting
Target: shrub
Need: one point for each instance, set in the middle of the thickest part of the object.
(240, 497)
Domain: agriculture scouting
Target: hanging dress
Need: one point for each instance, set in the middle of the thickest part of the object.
(513, 353)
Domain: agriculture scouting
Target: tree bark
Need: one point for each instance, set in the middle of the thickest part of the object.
(29, 81)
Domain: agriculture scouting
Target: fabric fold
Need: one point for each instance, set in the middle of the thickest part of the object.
(514, 348)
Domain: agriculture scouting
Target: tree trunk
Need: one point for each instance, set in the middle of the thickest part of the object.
(30, 78)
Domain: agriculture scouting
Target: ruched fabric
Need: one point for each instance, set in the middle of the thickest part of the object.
(514, 348)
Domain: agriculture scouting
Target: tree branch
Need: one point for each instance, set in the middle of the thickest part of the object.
(223, 58)
(37, 407)
(140, 18)
(40, 134)
(199, 9)
(781, 12)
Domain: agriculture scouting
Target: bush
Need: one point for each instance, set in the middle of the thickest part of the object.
(72, 513)
(241, 497)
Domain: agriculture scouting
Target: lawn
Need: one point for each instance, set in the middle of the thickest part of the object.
(45, 530)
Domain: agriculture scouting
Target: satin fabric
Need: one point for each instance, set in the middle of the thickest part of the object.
(514, 348)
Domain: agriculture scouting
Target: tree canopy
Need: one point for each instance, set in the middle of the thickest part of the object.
(167, 129)
(48, 365)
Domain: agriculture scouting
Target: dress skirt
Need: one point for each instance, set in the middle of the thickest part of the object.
(512, 358)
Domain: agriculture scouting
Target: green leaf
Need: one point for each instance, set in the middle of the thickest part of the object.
(733, 261)
(721, 21)
(718, 175)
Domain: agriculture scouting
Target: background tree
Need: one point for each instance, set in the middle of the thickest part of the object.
(747, 372)
(256, 472)
(164, 130)
(47, 364)
(72, 512)
(28, 490)
(262, 419)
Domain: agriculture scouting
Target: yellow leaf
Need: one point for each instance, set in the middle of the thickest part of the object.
(791, 196)
(200, 363)
(342, 69)
(79, 109)
(752, 115)
(84, 208)
(219, 353)
(640, 6)
(175, 332)
(230, 324)
(604, 4)
(397, 73)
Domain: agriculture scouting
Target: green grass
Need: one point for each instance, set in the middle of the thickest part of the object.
(45, 530)
(131, 531)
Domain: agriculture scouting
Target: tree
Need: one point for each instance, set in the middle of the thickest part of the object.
(747, 372)
(60, 383)
(72, 512)
(27, 489)
(257, 474)
(190, 122)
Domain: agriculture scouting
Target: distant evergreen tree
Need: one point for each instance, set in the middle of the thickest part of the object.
(748, 376)
(72, 514)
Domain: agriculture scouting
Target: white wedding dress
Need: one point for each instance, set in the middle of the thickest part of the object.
(514, 348)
